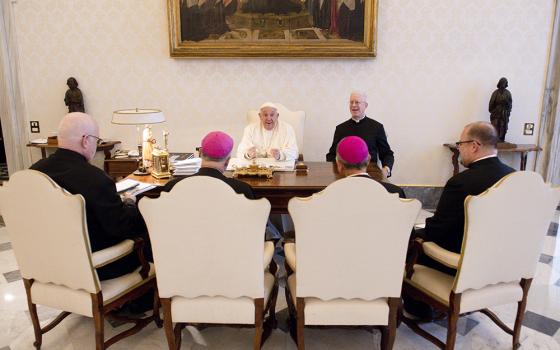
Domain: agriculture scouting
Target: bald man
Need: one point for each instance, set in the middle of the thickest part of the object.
(109, 219)
(369, 130)
(477, 149)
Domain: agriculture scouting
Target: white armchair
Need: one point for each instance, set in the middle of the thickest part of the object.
(351, 244)
(53, 253)
(208, 246)
(504, 232)
(295, 118)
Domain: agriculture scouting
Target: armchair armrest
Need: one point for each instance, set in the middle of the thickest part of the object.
(290, 253)
(443, 256)
(268, 253)
(108, 255)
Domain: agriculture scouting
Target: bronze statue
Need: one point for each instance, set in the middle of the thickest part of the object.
(500, 108)
(73, 98)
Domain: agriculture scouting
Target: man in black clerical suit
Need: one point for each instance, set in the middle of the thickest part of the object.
(215, 152)
(110, 220)
(352, 159)
(477, 148)
(371, 131)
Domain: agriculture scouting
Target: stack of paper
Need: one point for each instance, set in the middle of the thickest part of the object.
(276, 165)
(186, 167)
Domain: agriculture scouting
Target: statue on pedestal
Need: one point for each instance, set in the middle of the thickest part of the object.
(500, 108)
(73, 98)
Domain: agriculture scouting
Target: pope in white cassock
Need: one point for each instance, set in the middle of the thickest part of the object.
(271, 138)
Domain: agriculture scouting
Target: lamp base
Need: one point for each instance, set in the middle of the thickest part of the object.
(141, 172)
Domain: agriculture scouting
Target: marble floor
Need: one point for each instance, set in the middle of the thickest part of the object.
(541, 326)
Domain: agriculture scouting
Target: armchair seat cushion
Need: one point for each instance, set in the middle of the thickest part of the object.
(341, 311)
(439, 285)
(218, 309)
(116, 287)
(79, 301)
(62, 298)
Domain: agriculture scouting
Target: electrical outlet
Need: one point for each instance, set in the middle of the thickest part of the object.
(34, 124)
(528, 128)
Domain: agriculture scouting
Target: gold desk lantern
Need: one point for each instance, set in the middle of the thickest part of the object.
(160, 161)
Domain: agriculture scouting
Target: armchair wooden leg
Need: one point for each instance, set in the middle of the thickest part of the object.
(33, 313)
(98, 320)
(272, 308)
(259, 313)
(291, 315)
(453, 316)
(300, 318)
(521, 306)
(388, 333)
(157, 318)
(168, 324)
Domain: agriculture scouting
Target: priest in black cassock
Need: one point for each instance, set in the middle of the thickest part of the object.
(371, 131)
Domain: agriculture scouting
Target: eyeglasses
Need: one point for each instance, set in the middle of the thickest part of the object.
(459, 143)
(99, 140)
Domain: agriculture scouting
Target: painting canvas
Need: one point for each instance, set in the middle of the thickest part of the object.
(272, 28)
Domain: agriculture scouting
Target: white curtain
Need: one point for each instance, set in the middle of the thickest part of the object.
(548, 161)
(11, 100)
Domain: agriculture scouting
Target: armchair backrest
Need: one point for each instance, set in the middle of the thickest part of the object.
(504, 231)
(48, 229)
(207, 240)
(351, 240)
(295, 118)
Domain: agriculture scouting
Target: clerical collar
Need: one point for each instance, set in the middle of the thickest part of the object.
(359, 120)
(359, 174)
(490, 156)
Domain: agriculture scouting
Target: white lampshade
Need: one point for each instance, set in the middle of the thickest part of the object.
(138, 116)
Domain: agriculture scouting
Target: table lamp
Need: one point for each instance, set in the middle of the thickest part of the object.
(138, 117)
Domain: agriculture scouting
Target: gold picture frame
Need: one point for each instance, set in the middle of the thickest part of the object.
(272, 28)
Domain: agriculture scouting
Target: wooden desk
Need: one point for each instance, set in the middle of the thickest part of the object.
(523, 150)
(120, 167)
(106, 147)
(284, 185)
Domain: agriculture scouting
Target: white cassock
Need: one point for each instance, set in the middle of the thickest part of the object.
(282, 137)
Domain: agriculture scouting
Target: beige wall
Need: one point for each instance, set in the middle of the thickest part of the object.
(438, 62)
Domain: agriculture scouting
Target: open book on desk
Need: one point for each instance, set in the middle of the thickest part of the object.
(134, 187)
(276, 165)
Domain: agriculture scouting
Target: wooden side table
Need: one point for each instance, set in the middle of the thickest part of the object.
(522, 149)
(120, 167)
(106, 147)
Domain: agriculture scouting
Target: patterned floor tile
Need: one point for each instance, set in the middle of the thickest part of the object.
(464, 324)
(12, 276)
(5, 246)
(541, 323)
(553, 229)
(546, 259)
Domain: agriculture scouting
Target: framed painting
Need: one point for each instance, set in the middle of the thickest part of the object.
(272, 28)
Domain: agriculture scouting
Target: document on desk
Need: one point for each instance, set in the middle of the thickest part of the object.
(134, 187)
(277, 165)
(421, 218)
(125, 185)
